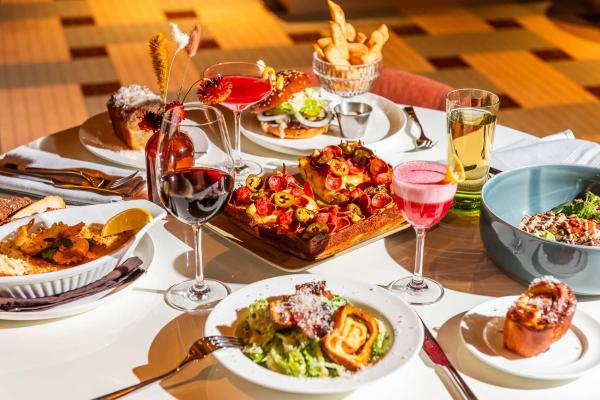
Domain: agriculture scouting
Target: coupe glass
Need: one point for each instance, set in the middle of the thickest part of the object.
(197, 191)
(248, 88)
(424, 199)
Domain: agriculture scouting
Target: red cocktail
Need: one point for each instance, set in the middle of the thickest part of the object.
(247, 88)
(424, 198)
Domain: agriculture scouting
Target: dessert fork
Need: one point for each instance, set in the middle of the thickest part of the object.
(422, 142)
(199, 349)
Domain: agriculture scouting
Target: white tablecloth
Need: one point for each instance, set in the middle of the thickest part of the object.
(139, 336)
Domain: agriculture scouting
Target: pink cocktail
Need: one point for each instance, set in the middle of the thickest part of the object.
(424, 199)
(246, 90)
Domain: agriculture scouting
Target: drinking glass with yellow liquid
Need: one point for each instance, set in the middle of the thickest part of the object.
(471, 115)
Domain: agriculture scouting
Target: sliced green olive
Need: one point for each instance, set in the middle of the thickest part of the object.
(339, 167)
(361, 156)
(283, 199)
(302, 214)
(354, 209)
(254, 182)
(315, 228)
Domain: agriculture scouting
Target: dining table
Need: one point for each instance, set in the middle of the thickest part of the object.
(139, 336)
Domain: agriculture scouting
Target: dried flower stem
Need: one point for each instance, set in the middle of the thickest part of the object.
(160, 62)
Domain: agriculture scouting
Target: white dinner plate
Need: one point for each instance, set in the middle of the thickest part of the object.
(98, 137)
(386, 120)
(144, 250)
(570, 357)
(406, 339)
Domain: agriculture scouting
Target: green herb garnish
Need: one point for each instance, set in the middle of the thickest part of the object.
(586, 209)
(48, 253)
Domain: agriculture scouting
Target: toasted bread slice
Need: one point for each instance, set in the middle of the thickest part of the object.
(40, 206)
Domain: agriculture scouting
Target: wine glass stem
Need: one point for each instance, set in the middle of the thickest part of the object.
(417, 281)
(199, 290)
(238, 139)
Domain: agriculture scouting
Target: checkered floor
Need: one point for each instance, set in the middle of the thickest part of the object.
(60, 60)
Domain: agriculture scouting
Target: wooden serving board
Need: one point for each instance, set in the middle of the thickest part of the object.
(276, 258)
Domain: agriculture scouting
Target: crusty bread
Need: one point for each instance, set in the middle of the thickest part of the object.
(322, 245)
(40, 206)
(126, 109)
(294, 133)
(11, 205)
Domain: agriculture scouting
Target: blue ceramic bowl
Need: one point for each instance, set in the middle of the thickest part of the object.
(508, 196)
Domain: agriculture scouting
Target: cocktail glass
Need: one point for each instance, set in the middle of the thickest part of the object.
(424, 199)
(248, 88)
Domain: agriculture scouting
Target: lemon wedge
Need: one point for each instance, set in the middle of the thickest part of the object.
(455, 172)
(268, 72)
(127, 220)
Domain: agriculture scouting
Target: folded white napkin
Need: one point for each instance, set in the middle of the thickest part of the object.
(38, 158)
(560, 148)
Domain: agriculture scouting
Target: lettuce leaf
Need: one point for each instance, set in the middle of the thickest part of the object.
(261, 327)
(283, 108)
(379, 346)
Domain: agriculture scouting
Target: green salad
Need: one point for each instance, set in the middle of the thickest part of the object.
(312, 333)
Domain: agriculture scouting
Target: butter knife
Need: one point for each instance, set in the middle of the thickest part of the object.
(437, 356)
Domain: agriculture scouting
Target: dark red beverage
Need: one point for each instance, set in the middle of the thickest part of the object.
(246, 90)
(196, 195)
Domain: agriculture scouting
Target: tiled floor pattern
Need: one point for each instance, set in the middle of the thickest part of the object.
(60, 60)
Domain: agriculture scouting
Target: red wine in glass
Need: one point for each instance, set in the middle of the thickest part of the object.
(246, 90)
(196, 194)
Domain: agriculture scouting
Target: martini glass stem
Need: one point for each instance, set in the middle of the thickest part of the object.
(237, 151)
(199, 290)
(417, 282)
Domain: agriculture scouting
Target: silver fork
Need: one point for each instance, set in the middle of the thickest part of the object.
(200, 349)
(422, 142)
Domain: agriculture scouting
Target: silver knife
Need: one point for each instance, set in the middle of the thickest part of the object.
(437, 356)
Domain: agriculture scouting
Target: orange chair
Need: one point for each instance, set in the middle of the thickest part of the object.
(405, 88)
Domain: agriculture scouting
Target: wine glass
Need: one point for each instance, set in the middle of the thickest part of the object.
(424, 199)
(248, 87)
(196, 191)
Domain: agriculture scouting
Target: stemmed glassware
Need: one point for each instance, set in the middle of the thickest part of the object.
(424, 197)
(196, 192)
(248, 88)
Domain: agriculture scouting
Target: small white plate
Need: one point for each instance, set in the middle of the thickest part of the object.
(144, 250)
(406, 340)
(386, 120)
(570, 357)
(98, 137)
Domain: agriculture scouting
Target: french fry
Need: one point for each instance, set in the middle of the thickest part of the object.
(337, 14)
(350, 32)
(374, 52)
(339, 39)
(375, 39)
(358, 49)
(360, 38)
(334, 56)
(385, 32)
(319, 51)
(324, 41)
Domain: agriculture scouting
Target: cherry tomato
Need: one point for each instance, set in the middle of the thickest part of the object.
(322, 217)
(381, 179)
(277, 183)
(355, 168)
(284, 218)
(297, 193)
(381, 200)
(242, 196)
(339, 167)
(263, 206)
(291, 180)
(356, 193)
(364, 202)
(377, 166)
(333, 182)
(336, 150)
(342, 223)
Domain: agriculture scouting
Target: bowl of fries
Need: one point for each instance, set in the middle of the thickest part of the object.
(348, 62)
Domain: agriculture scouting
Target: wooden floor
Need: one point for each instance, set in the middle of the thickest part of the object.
(60, 60)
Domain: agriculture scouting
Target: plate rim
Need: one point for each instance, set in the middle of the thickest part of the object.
(107, 295)
(249, 293)
(579, 315)
(255, 137)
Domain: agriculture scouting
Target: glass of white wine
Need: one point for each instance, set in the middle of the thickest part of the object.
(471, 116)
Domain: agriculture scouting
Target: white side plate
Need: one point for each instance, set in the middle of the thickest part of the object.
(386, 120)
(394, 312)
(570, 357)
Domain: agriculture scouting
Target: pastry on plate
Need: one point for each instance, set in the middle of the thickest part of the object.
(126, 108)
(316, 223)
(540, 316)
(293, 110)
